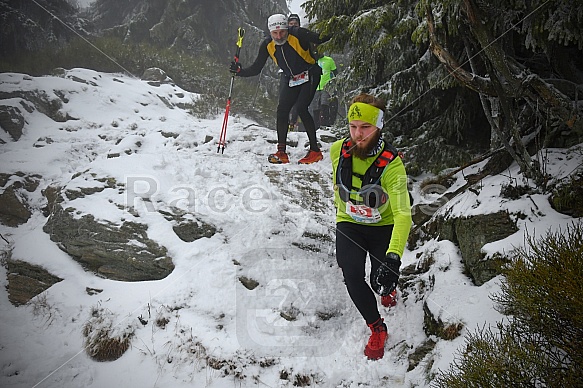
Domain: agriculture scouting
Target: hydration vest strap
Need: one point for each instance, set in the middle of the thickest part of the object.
(385, 157)
(344, 171)
(372, 175)
(374, 172)
(346, 147)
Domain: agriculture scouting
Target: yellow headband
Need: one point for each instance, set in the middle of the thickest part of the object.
(367, 113)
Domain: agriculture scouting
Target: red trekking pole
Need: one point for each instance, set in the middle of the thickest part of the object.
(223, 137)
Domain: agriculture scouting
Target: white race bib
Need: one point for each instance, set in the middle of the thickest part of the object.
(363, 213)
(299, 79)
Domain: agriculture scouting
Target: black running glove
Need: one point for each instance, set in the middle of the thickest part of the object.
(235, 67)
(385, 279)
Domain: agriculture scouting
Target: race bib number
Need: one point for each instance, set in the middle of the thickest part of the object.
(299, 79)
(363, 213)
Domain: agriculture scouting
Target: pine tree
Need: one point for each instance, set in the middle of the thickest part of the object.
(457, 72)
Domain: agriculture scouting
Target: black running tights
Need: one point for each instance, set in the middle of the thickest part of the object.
(301, 96)
(353, 242)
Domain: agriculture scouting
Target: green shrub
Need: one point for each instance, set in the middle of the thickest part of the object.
(541, 343)
(567, 198)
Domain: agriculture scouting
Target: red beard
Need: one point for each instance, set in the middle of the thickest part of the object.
(363, 149)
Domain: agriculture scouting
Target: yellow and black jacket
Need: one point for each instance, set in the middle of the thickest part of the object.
(293, 57)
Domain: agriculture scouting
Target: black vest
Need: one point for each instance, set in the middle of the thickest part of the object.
(371, 190)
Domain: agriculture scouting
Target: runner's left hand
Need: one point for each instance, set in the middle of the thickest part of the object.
(386, 277)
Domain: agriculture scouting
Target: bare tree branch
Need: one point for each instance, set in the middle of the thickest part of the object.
(475, 82)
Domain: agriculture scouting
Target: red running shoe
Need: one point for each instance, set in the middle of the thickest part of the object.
(311, 157)
(389, 300)
(280, 157)
(375, 348)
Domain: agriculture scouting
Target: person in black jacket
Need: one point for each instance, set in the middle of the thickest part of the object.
(289, 47)
(292, 20)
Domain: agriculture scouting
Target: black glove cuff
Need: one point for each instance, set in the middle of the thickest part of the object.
(393, 256)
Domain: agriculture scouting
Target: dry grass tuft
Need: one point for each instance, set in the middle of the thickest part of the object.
(104, 340)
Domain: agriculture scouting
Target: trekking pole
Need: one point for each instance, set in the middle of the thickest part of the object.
(223, 137)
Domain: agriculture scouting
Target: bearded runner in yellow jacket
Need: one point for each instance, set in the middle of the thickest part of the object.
(375, 224)
(397, 211)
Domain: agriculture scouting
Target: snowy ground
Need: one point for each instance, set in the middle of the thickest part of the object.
(276, 226)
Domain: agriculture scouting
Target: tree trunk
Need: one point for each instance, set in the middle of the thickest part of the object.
(521, 155)
(470, 80)
(507, 81)
(520, 83)
(496, 137)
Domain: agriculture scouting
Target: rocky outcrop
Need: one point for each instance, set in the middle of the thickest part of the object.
(14, 210)
(25, 281)
(31, 100)
(156, 76)
(197, 27)
(186, 227)
(471, 234)
(11, 121)
(434, 326)
(416, 283)
(119, 252)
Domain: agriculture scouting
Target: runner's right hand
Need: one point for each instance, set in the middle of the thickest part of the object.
(235, 67)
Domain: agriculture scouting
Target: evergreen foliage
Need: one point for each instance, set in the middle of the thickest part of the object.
(522, 62)
(428, 110)
(542, 342)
